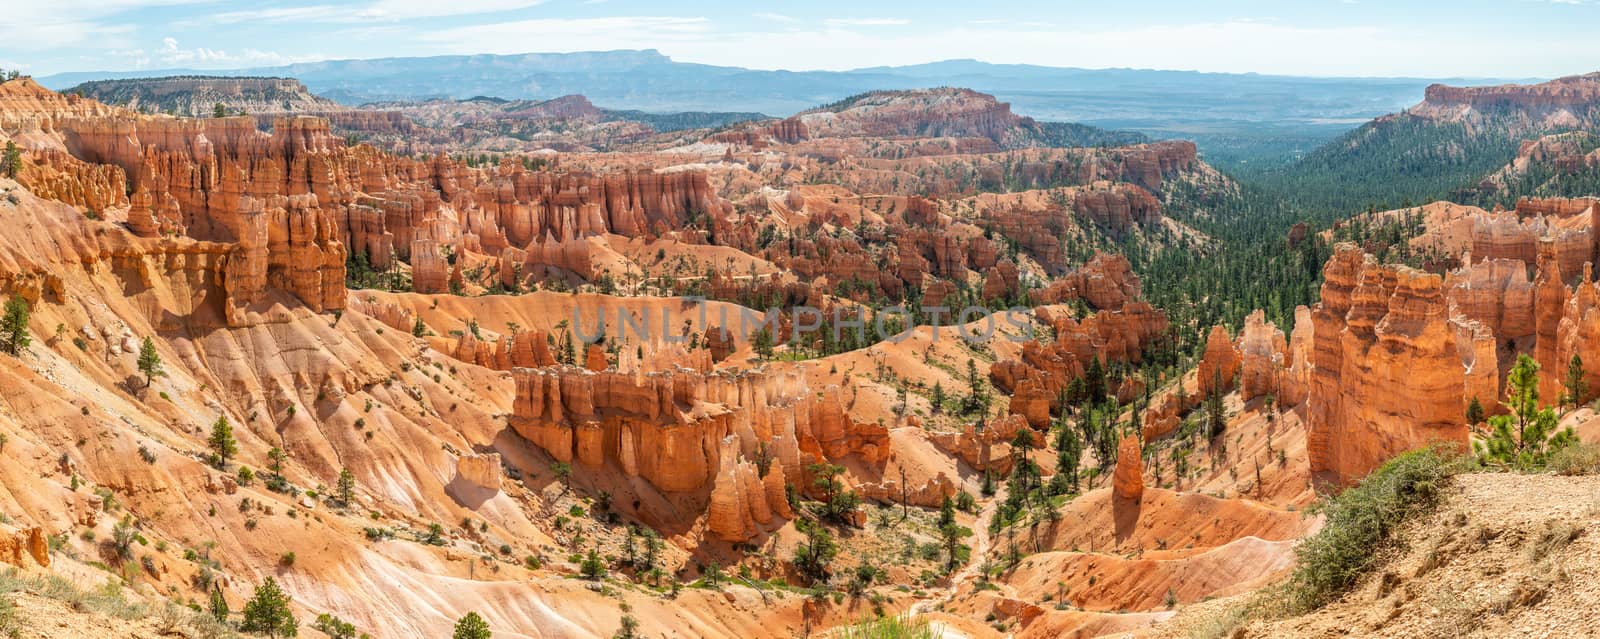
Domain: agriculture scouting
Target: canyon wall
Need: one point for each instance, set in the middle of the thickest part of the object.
(1388, 374)
(689, 432)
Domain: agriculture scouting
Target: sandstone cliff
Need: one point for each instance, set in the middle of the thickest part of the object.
(1388, 374)
(687, 432)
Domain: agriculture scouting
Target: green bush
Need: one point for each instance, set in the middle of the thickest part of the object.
(890, 628)
(1361, 522)
(1579, 459)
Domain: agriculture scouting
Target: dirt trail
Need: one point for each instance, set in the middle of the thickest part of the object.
(969, 572)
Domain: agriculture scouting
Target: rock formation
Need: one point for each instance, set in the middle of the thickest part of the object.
(1037, 377)
(1127, 480)
(1264, 358)
(1219, 366)
(1104, 282)
(1570, 91)
(17, 545)
(1388, 374)
(482, 471)
(685, 420)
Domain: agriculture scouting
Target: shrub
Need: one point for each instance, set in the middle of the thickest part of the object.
(471, 627)
(890, 628)
(334, 627)
(268, 612)
(1360, 522)
(1579, 459)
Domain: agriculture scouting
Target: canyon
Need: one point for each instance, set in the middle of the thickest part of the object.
(559, 381)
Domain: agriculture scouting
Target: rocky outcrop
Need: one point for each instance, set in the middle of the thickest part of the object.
(719, 341)
(197, 96)
(1219, 366)
(943, 112)
(1127, 479)
(1570, 91)
(741, 505)
(55, 175)
(1036, 378)
(984, 446)
(1106, 281)
(482, 471)
(1295, 382)
(31, 114)
(1119, 206)
(930, 494)
(17, 546)
(1389, 375)
(684, 420)
(1263, 358)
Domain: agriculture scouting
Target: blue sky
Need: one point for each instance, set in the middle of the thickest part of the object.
(1473, 38)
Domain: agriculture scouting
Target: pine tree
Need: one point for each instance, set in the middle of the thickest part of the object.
(592, 566)
(346, 487)
(222, 443)
(14, 326)
(1575, 385)
(11, 161)
(471, 627)
(218, 110)
(1525, 437)
(629, 628)
(149, 361)
(218, 605)
(268, 612)
(563, 472)
(761, 341)
(938, 397)
(419, 329)
(1474, 412)
(812, 556)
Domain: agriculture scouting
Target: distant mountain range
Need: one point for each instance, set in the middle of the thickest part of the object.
(649, 81)
(1247, 115)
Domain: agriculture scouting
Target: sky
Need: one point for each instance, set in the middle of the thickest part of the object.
(1464, 38)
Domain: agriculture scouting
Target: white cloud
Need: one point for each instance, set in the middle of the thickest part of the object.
(172, 55)
(867, 22)
(406, 9)
(570, 34)
(775, 17)
(377, 10)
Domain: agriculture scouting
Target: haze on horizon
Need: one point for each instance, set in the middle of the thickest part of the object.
(1471, 38)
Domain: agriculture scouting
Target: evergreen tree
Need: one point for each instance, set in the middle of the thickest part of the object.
(592, 566)
(1475, 413)
(938, 397)
(950, 536)
(14, 326)
(761, 342)
(222, 443)
(1216, 415)
(1524, 438)
(346, 487)
(267, 612)
(629, 628)
(837, 503)
(218, 605)
(563, 472)
(1575, 385)
(218, 110)
(471, 627)
(149, 361)
(812, 556)
(11, 161)
(419, 329)
(1094, 381)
